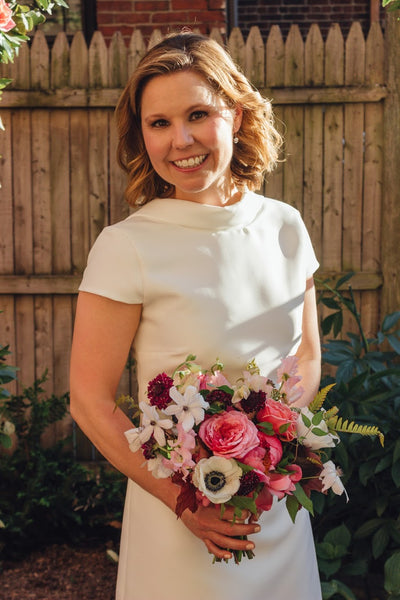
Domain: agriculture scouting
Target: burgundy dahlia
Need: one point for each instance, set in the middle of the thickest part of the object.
(253, 402)
(148, 449)
(248, 483)
(158, 390)
(219, 396)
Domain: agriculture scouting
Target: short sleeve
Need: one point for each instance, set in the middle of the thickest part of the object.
(113, 268)
(310, 260)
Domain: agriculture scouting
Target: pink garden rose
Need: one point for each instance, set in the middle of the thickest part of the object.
(6, 21)
(273, 446)
(279, 415)
(255, 459)
(229, 434)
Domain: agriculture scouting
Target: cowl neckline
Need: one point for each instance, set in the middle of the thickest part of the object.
(202, 216)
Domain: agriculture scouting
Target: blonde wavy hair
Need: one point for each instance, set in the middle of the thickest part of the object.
(256, 152)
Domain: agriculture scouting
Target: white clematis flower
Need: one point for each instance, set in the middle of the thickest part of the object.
(217, 478)
(153, 424)
(189, 407)
(330, 477)
(134, 439)
(310, 439)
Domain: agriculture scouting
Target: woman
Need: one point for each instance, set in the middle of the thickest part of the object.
(205, 266)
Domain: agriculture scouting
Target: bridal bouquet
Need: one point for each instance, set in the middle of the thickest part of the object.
(239, 443)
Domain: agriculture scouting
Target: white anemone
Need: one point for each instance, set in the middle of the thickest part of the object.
(217, 478)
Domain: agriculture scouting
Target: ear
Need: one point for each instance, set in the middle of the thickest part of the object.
(237, 118)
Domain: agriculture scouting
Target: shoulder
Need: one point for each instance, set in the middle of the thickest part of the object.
(274, 208)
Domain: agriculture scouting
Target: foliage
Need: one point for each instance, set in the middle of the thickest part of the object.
(45, 495)
(7, 374)
(367, 390)
(391, 4)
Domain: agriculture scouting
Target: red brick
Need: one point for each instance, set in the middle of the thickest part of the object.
(177, 5)
(217, 5)
(117, 6)
(153, 6)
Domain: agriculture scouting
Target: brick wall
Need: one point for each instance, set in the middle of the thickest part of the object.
(265, 13)
(166, 15)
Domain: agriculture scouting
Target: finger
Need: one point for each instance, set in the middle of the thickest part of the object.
(218, 552)
(233, 543)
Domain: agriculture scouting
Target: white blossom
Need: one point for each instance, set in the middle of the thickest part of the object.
(330, 477)
(189, 407)
(217, 478)
(153, 424)
(310, 439)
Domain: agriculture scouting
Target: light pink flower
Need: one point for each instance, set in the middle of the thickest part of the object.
(6, 20)
(210, 381)
(281, 417)
(279, 485)
(181, 455)
(273, 446)
(288, 373)
(229, 434)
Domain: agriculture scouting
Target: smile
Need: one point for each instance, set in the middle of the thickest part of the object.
(190, 162)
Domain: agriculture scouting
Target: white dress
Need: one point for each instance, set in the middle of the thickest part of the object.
(218, 282)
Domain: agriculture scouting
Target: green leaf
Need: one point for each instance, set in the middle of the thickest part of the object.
(330, 588)
(243, 503)
(330, 303)
(392, 574)
(394, 341)
(396, 473)
(317, 418)
(5, 440)
(340, 282)
(390, 321)
(339, 536)
(302, 497)
(317, 431)
(396, 451)
(329, 567)
(292, 506)
(380, 541)
(305, 420)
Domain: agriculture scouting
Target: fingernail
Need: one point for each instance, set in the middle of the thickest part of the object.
(249, 546)
(226, 556)
(257, 528)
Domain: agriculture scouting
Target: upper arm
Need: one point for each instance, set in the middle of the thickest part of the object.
(310, 347)
(103, 334)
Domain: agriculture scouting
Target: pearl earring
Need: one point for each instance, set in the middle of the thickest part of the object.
(235, 139)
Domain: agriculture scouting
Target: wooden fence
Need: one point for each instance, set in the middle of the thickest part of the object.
(61, 185)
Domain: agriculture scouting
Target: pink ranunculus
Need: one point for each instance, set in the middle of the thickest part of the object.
(281, 417)
(273, 446)
(229, 434)
(254, 459)
(6, 20)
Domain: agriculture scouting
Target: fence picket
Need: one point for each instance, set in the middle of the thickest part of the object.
(294, 58)
(79, 62)
(275, 62)
(314, 57)
(236, 47)
(137, 49)
(98, 62)
(117, 58)
(40, 56)
(59, 73)
(255, 57)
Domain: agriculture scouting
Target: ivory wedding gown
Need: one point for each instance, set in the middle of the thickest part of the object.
(218, 282)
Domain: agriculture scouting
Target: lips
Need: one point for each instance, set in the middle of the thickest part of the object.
(193, 161)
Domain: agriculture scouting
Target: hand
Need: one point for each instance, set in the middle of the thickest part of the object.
(219, 534)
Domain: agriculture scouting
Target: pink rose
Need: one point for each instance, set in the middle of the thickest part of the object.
(279, 485)
(229, 434)
(281, 417)
(6, 21)
(273, 446)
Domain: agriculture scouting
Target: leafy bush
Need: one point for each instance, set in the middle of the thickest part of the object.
(367, 390)
(7, 374)
(46, 496)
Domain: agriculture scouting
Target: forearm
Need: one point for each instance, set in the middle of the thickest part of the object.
(310, 372)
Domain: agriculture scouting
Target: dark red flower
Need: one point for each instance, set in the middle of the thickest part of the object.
(219, 396)
(248, 483)
(158, 390)
(253, 402)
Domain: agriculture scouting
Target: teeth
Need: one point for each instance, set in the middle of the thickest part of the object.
(190, 162)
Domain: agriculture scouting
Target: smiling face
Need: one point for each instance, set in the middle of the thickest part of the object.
(188, 131)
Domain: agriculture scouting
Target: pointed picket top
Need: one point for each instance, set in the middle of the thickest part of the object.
(60, 62)
(255, 57)
(294, 57)
(355, 56)
(236, 47)
(334, 56)
(314, 57)
(21, 72)
(275, 59)
(215, 35)
(98, 61)
(117, 63)
(136, 50)
(79, 62)
(375, 55)
(155, 38)
(40, 62)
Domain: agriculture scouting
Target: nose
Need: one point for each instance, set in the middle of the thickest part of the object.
(182, 136)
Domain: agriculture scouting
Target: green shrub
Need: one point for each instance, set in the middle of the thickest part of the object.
(7, 374)
(46, 496)
(367, 391)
